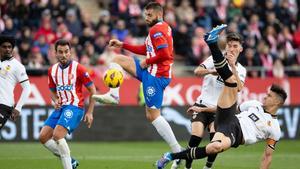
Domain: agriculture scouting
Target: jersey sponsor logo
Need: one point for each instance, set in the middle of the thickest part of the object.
(64, 88)
(68, 113)
(150, 91)
(253, 117)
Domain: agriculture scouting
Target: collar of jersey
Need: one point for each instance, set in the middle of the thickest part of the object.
(7, 58)
(273, 115)
(65, 66)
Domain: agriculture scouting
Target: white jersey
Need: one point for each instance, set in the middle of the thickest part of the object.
(212, 85)
(11, 73)
(256, 124)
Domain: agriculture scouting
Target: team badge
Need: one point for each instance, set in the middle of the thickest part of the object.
(150, 91)
(7, 68)
(68, 114)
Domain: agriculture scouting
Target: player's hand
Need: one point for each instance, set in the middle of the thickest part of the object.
(14, 114)
(57, 104)
(193, 109)
(231, 59)
(88, 119)
(115, 43)
(213, 72)
(143, 64)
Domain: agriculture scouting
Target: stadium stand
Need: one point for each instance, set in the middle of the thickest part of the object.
(271, 30)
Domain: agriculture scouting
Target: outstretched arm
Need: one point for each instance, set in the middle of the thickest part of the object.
(266, 158)
(137, 49)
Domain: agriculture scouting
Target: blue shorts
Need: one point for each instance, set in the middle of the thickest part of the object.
(68, 116)
(153, 87)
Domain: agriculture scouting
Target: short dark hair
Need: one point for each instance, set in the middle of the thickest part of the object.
(62, 42)
(279, 91)
(9, 39)
(155, 6)
(233, 36)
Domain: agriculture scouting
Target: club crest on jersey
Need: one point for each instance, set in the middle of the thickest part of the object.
(68, 114)
(7, 68)
(150, 91)
(70, 76)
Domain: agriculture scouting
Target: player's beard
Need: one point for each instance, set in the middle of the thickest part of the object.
(152, 23)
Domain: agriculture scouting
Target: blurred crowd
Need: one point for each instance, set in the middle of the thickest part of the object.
(271, 30)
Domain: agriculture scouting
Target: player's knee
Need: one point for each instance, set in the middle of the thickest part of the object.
(215, 147)
(149, 117)
(43, 138)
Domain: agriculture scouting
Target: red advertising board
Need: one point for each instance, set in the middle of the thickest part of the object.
(181, 91)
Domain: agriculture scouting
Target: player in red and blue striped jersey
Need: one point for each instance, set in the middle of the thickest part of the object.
(65, 80)
(154, 71)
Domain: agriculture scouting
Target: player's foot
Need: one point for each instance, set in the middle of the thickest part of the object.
(213, 35)
(106, 98)
(74, 163)
(176, 164)
(164, 160)
(205, 167)
(187, 168)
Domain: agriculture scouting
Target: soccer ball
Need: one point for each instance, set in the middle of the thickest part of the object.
(113, 78)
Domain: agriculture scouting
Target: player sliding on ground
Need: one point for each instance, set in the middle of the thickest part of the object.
(257, 121)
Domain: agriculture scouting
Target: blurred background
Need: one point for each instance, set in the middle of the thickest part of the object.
(271, 31)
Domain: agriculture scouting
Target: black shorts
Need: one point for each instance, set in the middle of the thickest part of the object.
(5, 113)
(205, 117)
(227, 123)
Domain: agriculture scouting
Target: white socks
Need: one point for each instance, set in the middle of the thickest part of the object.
(165, 131)
(64, 152)
(113, 65)
(51, 145)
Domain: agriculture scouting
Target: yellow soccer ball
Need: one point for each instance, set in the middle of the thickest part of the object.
(113, 78)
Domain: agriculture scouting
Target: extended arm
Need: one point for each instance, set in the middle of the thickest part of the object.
(88, 118)
(202, 71)
(266, 158)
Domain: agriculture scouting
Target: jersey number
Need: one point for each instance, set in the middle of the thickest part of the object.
(253, 117)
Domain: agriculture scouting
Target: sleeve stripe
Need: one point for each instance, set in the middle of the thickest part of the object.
(53, 89)
(24, 81)
(202, 65)
(272, 147)
(162, 46)
(88, 84)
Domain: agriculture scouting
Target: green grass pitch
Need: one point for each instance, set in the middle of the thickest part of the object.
(139, 155)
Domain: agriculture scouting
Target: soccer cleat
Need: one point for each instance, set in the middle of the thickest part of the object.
(106, 98)
(164, 160)
(187, 168)
(213, 35)
(176, 164)
(74, 163)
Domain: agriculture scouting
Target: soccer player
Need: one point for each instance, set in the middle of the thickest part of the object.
(65, 80)
(203, 111)
(154, 71)
(11, 73)
(257, 121)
